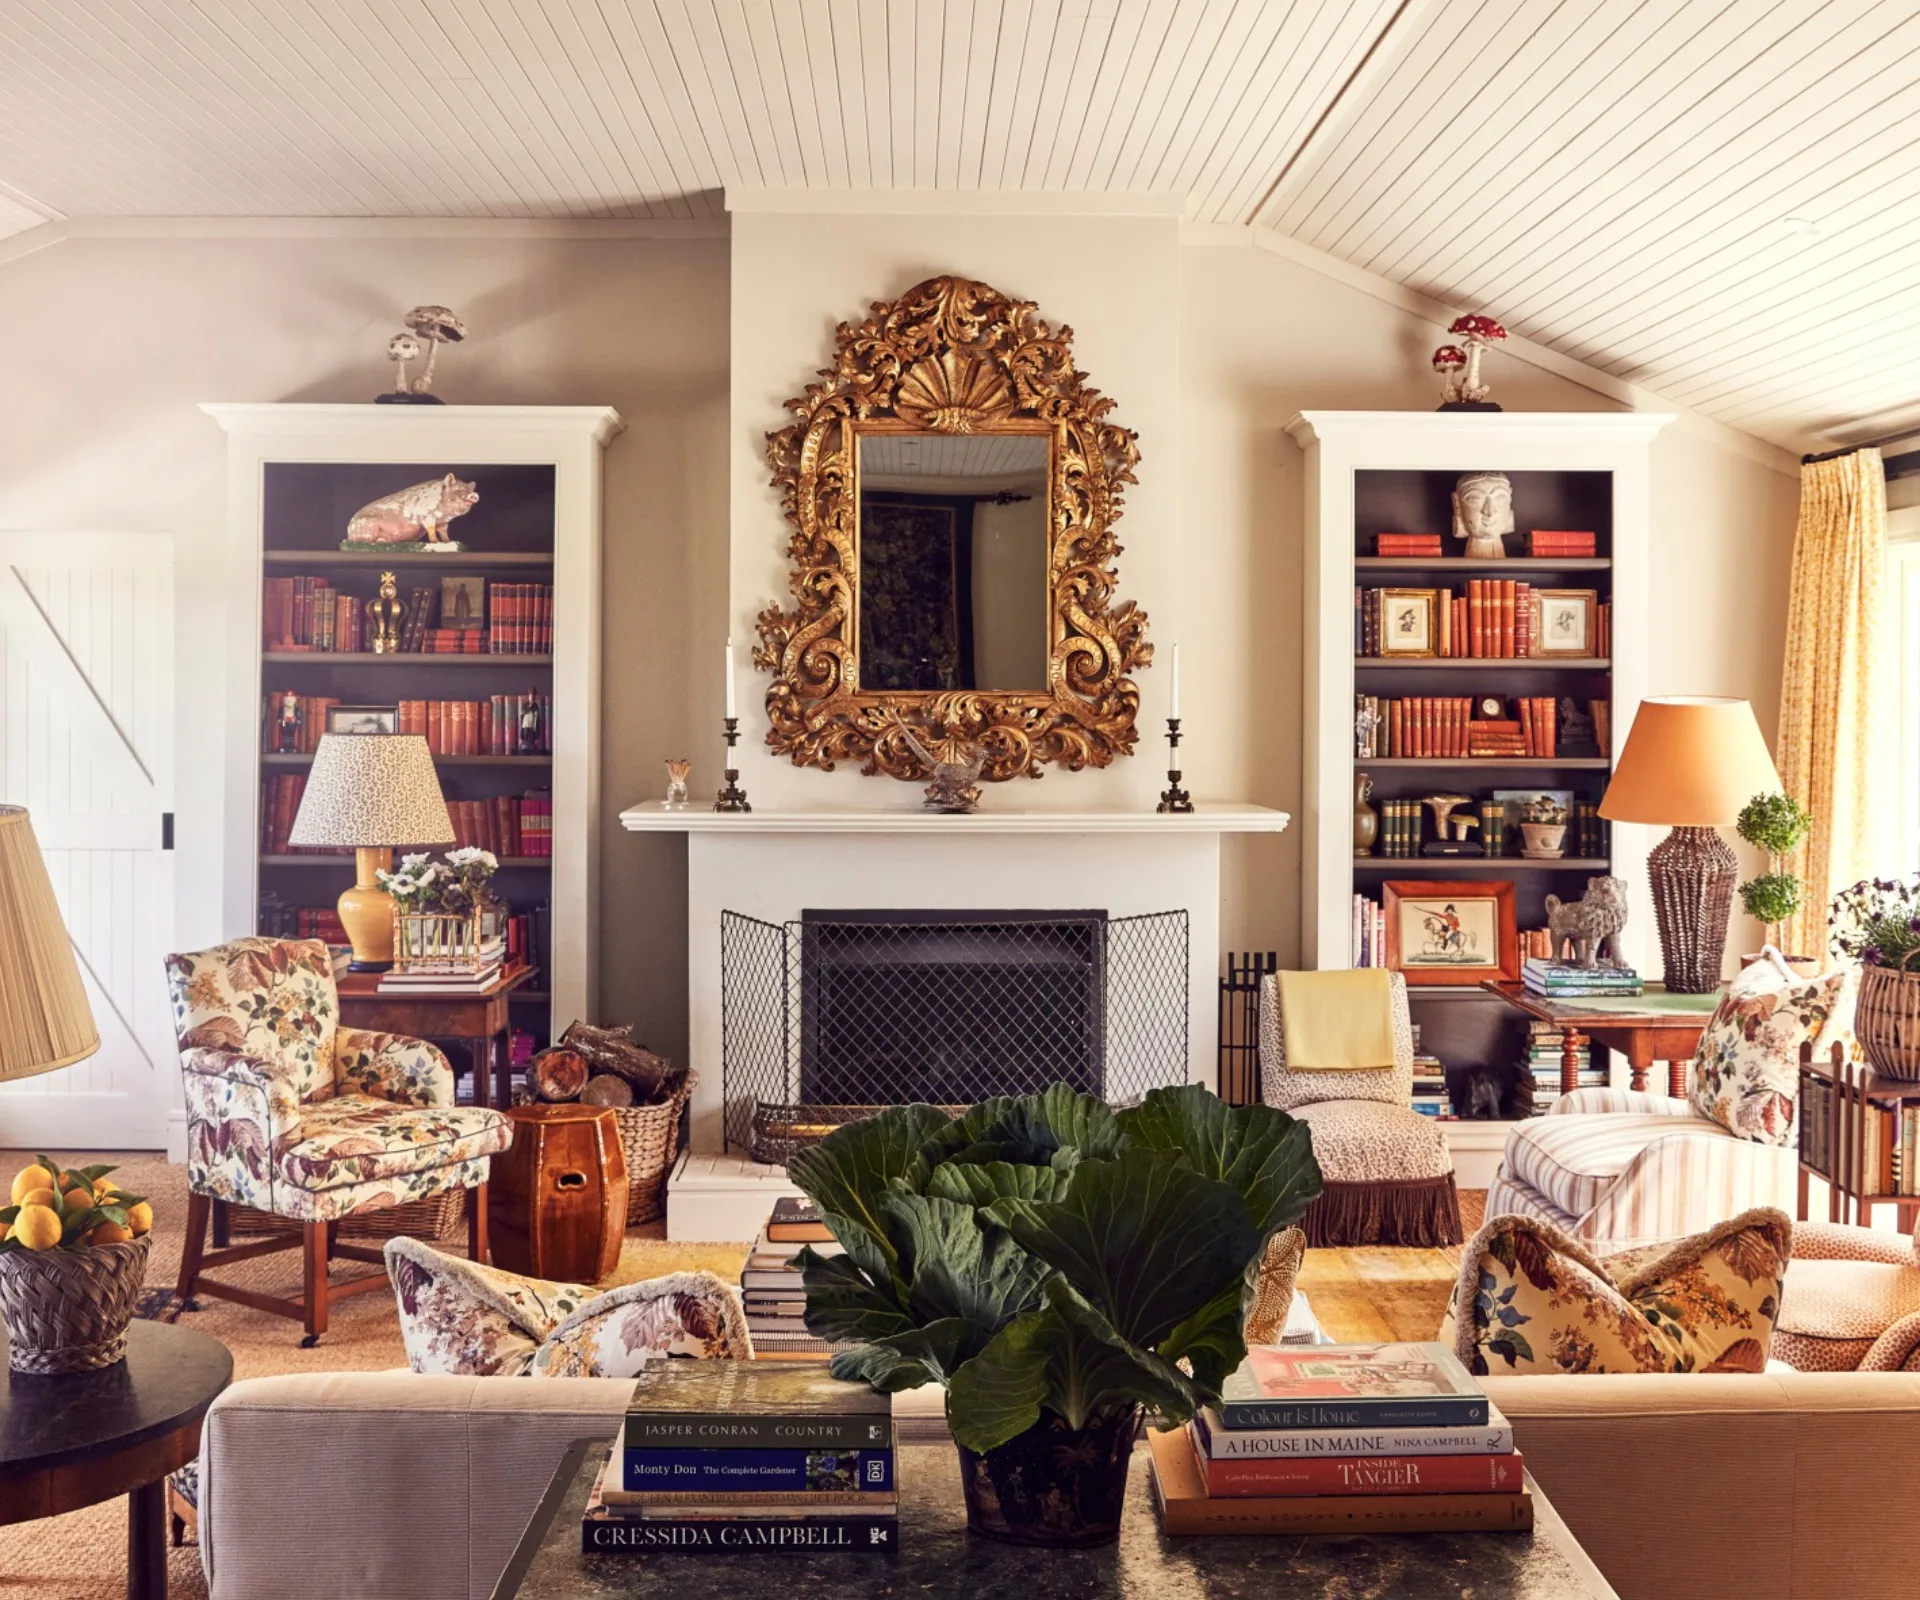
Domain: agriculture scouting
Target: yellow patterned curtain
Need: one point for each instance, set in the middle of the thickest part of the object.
(1825, 751)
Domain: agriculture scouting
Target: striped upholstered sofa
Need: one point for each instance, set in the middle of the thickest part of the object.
(1616, 1167)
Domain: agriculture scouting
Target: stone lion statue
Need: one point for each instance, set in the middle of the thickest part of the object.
(1579, 930)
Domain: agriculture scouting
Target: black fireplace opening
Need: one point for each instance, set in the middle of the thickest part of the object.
(838, 1013)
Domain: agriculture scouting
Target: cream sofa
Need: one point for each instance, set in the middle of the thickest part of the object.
(1748, 1488)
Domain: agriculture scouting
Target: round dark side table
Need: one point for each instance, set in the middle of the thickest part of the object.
(79, 1438)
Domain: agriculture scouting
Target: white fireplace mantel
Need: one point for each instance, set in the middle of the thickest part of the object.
(774, 865)
(1207, 817)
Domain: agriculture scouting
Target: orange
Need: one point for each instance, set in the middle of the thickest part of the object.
(78, 1199)
(40, 1197)
(108, 1233)
(140, 1217)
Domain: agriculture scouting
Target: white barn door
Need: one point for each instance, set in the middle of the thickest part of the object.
(86, 745)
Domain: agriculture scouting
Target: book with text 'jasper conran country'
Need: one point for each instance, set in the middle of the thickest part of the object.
(687, 1406)
(1352, 1386)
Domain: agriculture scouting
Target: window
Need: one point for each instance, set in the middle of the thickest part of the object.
(1901, 631)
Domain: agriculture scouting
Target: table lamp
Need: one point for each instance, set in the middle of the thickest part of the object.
(45, 1022)
(1690, 763)
(372, 791)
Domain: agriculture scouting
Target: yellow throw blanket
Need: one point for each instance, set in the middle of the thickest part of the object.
(1337, 1021)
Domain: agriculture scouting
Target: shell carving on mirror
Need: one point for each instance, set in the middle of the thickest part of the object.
(954, 358)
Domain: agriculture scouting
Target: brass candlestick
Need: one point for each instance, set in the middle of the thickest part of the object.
(1173, 797)
(732, 797)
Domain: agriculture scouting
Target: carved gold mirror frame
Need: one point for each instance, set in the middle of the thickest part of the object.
(952, 356)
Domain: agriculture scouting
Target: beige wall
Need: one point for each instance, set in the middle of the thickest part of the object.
(111, 343)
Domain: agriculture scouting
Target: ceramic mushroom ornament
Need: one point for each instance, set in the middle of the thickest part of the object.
(432, 326)
(1464, 390)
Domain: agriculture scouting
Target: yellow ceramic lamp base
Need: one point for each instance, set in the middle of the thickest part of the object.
(366, 912)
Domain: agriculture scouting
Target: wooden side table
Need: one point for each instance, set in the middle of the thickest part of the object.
(83, 1437)
(1656, 1027)
(478, 1021)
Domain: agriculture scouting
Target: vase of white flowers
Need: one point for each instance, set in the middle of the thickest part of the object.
(441, 911)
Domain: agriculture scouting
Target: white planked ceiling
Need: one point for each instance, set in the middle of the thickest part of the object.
(1611, 178)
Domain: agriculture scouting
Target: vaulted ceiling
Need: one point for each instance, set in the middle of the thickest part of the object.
(1716, 199)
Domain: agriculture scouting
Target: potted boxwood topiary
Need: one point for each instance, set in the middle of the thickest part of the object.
(1776, 824)
(1057, 1266)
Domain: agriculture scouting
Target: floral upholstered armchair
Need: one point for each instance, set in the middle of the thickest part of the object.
(297, 1116)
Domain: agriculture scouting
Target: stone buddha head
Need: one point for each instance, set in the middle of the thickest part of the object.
(1482, 513)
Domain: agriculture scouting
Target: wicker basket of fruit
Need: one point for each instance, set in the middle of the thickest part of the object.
(73, 1260)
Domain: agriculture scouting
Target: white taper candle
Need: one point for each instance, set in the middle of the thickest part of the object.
(732, 711)
(1173, 708)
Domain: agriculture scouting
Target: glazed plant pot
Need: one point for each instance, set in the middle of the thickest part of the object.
(68, 1310)
(1052, 1485)
(1543, 840)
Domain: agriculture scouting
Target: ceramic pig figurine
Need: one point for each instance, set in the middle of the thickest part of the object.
(419, 513)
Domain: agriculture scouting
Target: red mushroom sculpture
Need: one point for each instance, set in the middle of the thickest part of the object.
(1447, 361)
(1476, 333)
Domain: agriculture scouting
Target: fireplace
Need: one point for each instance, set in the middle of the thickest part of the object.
(830, 1016)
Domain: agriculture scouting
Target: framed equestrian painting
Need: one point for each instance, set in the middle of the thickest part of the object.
(1448, 932)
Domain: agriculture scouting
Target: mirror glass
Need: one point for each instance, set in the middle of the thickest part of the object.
(953, 562)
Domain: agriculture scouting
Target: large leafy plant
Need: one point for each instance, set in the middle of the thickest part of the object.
(1044, 1253)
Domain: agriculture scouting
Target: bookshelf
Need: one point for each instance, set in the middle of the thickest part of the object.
(296, 473)
(1859, 1133)
(1379, 472)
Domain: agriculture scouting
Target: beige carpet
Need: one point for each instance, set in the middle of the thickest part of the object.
(1357, 1294)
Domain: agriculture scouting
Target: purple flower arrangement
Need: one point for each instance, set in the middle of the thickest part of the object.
(1877, 922)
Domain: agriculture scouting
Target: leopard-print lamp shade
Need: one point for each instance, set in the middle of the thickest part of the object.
(45, 1021)
(372, 789)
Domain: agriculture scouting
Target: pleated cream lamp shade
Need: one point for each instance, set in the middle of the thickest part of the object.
(372, 791)
(45, 1022)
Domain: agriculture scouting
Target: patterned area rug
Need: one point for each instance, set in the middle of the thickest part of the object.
(1357, 1294)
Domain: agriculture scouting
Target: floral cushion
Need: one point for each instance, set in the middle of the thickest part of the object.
(351, 1199)
(353, 1138)
(1282, 1087)
(1746, 1072)
(270, 999)
(1531, 1299)
(460, 1317)
(390, 1066)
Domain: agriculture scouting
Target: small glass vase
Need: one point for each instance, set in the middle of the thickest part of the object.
(1052, 1485)
(677, 771)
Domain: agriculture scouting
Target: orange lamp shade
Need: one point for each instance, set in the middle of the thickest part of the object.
(1690, 762)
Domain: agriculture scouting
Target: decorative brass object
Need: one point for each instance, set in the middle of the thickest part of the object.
(386, 614)
(954, 763)
(952, 356)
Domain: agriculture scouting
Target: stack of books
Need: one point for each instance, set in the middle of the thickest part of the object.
(1430, 1087)
(1407, 544)
(1543, 1061)
(445, 977)
(1560, 980)
(1562, 542)
(747, 1455)
(1369, 932)
(1379, 1438)
(771, 1291)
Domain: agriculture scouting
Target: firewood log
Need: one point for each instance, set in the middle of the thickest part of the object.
(609, 1050)
(558, 1074)
(604, 1089)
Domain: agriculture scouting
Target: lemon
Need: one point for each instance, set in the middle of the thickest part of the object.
(78, 1199)
(108, 1233)
(37, 1227)
(40, 1197)
(140, 1216)
(29, 1179)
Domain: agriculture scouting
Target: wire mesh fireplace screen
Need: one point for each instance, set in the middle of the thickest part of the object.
(829, 1018)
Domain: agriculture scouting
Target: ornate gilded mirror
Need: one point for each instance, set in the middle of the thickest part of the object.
(952, 483)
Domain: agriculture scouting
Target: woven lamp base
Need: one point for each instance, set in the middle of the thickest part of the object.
(1693, 872)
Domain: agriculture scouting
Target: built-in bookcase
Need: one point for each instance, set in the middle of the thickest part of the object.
(1370, 473)
(525, 618)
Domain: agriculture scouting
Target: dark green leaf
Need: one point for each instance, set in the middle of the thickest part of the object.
(880, 1368)
(1144, 1239)
(981, 1186)
(95, 1173)
(1029, 1129)
(844, 1303)
(848, 1174)
(955, 1268)
(906, 1360)
(1213, 1340)
(1265, 1155)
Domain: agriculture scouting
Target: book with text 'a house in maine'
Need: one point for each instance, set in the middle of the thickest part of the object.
(753, 1405)
(1352, 1386)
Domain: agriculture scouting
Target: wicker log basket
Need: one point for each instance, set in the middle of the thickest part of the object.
(1887, 1018)
(68, 1310)
(649, 1139)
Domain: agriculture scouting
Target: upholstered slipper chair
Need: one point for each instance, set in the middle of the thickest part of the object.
(460, 1317)
(1852, 1302)
(1531, 1299)
(299, 1117)
(1386, 1174)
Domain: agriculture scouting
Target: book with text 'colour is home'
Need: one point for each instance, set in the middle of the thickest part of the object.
(1400, 1385)
(795, 1221)
(753, 1406)
(1241, 1444)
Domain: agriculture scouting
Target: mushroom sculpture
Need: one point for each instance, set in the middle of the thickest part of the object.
(1476, 333)
(432, 326)
(1447, 361)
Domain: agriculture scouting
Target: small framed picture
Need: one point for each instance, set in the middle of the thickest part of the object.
(1406, 622)
(1565, 624)
(1442, 932)
(463, 603)
(363, 719)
